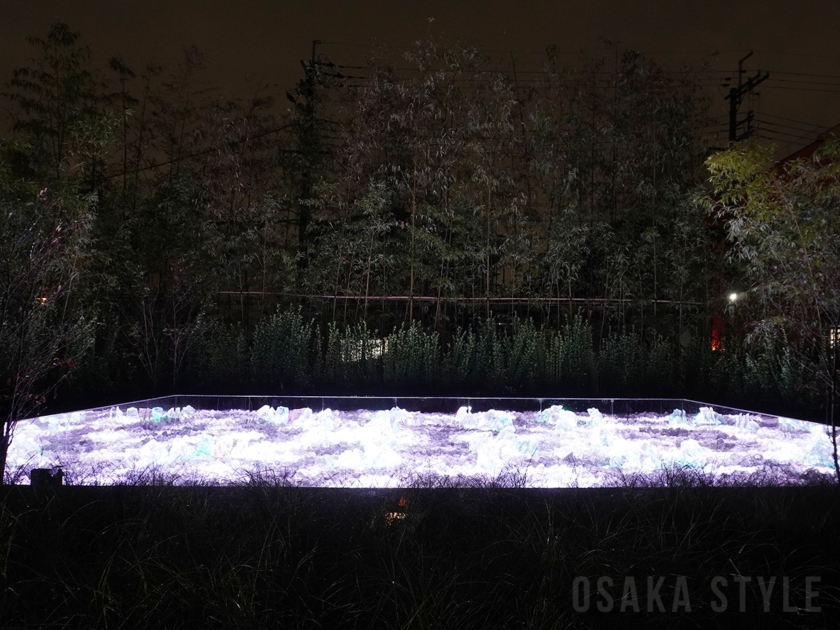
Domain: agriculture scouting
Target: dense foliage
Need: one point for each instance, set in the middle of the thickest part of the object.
(784, 220)
(434, 226)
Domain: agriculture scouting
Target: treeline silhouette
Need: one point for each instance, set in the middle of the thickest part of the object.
(498, 235)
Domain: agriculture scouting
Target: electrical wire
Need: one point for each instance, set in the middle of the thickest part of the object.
(799, 89)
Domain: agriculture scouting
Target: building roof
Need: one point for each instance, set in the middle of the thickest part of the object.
(809, 150)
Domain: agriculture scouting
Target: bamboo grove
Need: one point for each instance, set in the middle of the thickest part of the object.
(430, 200)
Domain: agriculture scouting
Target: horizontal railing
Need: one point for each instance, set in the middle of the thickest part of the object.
(621, 407)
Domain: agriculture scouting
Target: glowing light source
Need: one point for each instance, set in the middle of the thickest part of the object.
(733, 297)
(555, 447)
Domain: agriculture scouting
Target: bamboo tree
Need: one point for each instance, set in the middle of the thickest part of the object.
(53, 96)
(489, 129)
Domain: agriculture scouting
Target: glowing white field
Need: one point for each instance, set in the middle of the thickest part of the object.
(554, 447)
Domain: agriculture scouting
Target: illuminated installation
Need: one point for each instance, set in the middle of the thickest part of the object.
(358, 442)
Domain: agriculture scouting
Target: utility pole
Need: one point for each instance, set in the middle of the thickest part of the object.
(319, 76)
(736, 96)
(315, 43)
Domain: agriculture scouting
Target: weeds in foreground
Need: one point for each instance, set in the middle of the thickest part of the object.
(440, 552)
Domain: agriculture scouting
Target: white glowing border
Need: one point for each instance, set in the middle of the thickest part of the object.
(367, 454)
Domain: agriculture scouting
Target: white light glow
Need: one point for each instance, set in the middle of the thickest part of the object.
(552, 448)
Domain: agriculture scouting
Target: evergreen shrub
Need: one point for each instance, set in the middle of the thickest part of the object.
(283, 349)
(412, 358)
(521, 359)
(659, 368)
(220, 358)
(621, 362)
(353, 356)
(579, 365)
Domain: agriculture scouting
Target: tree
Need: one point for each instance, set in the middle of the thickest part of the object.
(617, 152)
(42, 335)
(47, 208)
(784, 223)
(53, 97)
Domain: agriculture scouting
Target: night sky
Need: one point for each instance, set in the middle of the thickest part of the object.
(258, 44)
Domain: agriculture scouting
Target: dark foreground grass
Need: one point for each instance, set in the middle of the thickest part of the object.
(442, 554)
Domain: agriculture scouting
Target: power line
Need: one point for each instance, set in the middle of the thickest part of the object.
(197, 153)
(807, 74)
(539, 51)
(788, 134)
(576, 80)
(801, 89)
(832, 83)
(794, 120)
(773, 52)
(607, 80)
(768, 122)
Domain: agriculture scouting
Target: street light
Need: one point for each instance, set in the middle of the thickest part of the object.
(733, 297)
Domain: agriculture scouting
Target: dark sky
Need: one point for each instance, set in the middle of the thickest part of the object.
(262, 41)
